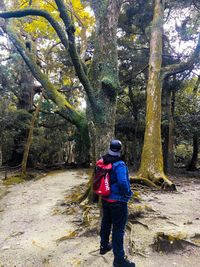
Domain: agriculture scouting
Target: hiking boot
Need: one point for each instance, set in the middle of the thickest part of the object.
(104, 250)
(123, 263)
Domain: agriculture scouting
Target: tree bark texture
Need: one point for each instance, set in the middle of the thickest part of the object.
(152, 157)
(152, 166)
(104, 74)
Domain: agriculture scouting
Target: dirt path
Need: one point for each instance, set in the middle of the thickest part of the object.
(30, 226)
(176, 214)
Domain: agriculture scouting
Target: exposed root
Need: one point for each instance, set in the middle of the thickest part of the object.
(143, 181)
(71, 235)
(157, 182)
(137, 210)
(91, 231)
(132, 246)
(86, 217)
(169, 243)
(140, 223)
(196, 239)
(77, 196)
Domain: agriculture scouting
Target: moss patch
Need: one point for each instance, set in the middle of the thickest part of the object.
(17, 179)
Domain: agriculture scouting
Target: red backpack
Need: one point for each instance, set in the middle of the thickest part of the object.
(101, 180)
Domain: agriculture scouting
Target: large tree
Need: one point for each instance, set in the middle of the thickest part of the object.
(151, 167)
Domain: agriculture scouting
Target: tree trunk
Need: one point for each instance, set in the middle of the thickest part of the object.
(29, 139)
(26, 83)
(1, 156)
(170, 142)
(193, 163)
(104, 78)
(104, 75)
(152, 167)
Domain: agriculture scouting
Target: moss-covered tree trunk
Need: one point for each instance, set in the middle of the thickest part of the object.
(104, 78)
(151, 167)
(104, 74)
(26, 83)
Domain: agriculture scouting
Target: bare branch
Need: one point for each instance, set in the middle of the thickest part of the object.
(177, 68)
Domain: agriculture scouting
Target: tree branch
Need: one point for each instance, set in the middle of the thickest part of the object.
(177, 68)
(40, 13)
(196, 5)
(195, 90)
(51, 92)
(78, 65)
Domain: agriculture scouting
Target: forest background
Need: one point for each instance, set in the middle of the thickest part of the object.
(75, 74)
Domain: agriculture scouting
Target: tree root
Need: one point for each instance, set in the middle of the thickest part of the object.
(137, 210)
(143, 181)
(168, 243)
(132, 247)
(156, 182)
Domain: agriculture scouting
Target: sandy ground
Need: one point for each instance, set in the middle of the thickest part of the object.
(30, 226)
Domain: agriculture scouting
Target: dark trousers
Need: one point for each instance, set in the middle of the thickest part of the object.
(115, 217)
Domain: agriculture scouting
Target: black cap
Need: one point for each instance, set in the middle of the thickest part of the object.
(115, 145)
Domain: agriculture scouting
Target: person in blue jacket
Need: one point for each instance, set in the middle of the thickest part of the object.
(115, 207)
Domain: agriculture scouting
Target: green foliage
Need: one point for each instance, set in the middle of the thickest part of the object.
(47, 146)
(14, 125)
(183, 153)
(188, 110)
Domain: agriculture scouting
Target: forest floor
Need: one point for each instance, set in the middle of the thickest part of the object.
(40, 228)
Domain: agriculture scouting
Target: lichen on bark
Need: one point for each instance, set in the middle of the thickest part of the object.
(152, 157)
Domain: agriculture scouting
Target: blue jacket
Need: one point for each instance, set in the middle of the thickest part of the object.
(120, 182)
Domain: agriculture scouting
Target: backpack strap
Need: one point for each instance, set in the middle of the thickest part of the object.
(100, 163)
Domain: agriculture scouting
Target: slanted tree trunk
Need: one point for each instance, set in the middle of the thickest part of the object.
(29, 139)
(192, 166)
